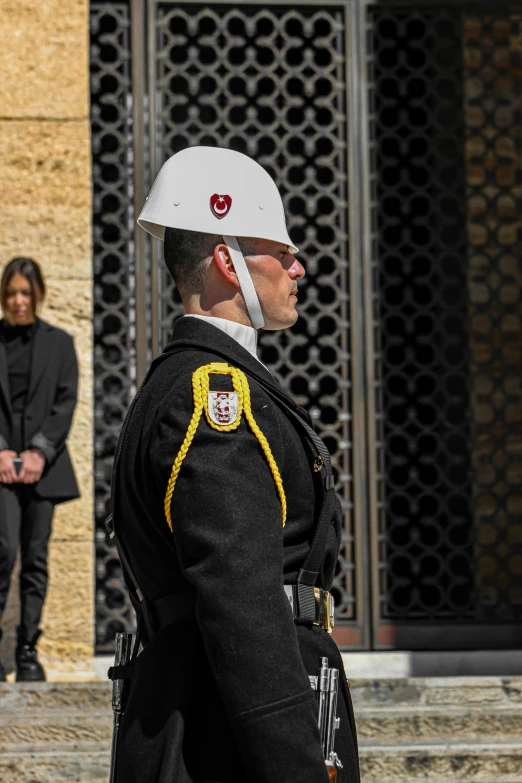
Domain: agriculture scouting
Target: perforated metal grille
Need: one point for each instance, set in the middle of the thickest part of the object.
(447, 135)
(114, 363)
(492, 47)
(270, 83)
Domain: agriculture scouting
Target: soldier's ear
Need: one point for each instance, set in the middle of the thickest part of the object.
(223, 261)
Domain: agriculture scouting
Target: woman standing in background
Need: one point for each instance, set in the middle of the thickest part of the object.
(38, 395)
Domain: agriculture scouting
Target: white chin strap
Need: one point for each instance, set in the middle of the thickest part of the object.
(245, 281)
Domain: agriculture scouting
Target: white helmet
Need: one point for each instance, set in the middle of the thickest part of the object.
(218, 191)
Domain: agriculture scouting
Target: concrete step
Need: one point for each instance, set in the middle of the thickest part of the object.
(450, 763)
(71, 726)
(50, 728)
(74, 766)
(478, 762)
(418, 725)
(437, 730)
(29, 697)
(447, 692)
(438, 692)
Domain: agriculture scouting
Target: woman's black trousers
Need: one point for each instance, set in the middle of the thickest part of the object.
(25, 521)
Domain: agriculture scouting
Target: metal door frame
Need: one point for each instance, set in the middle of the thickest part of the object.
(356, 634)
(369, 631)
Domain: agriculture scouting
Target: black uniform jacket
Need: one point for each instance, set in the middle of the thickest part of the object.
(224, 695)
(49, 409)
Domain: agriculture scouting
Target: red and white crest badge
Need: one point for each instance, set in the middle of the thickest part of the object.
(220, 205)
(223, 407)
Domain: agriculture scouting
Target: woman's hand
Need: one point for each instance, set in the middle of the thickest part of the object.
(7, 468)
(33, 463)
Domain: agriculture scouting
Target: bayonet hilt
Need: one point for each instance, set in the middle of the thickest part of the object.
(326, 686)
(323, 677)
(332, 721)
(122, 655)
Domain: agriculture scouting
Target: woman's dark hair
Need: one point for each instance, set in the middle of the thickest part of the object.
(29, 269)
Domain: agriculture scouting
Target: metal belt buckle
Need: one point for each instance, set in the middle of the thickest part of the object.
(329, 612)
(317, 597)
(324, 610)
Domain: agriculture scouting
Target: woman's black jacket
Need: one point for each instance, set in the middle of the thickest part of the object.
(49, 408)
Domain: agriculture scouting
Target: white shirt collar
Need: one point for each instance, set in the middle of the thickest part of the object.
(246, 336)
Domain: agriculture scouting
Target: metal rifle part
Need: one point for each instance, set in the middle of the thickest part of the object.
(122, 655)
(332, 720)
(322, 698)
(326, 686)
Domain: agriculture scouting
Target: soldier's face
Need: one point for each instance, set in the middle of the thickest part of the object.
(275, 273)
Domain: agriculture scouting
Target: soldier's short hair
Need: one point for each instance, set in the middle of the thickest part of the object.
(188, 255)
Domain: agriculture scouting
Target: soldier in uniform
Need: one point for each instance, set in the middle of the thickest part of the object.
(223, 506)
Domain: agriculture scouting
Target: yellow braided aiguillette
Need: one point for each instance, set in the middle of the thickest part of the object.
(200, 389)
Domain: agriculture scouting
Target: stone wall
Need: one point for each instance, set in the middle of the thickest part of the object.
(45, 204)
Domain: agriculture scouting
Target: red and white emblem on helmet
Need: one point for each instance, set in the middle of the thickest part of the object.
(223, 407)
(220, 205)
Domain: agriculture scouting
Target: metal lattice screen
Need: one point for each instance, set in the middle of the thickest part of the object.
(439, 140)
(447, 143)
(296, 101)
(114, 284)
(271, 83)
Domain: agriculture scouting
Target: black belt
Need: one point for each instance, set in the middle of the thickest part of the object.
(157, 614)
(310, 606)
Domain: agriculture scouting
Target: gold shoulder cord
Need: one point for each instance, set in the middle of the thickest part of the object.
(200, 388)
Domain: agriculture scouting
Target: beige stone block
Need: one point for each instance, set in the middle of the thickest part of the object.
(73, 520)
(45, 195)
(45, 163)
(45, 202)
(44, 58)
(68, 305)
(59, 239)
(68, 619)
